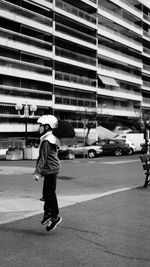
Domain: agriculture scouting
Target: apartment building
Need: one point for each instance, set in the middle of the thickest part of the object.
(72, 58)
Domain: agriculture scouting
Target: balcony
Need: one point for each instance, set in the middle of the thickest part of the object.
(119, 56)
(74, 104)
(24, 69)
(119, 74)
(76, 58)
(116, 110)
(146, 17)
(146, 69)
(45, 3)
(75, 81)
(120, 20)
(38, 94)
(120, 93)
(25, 43)
(77, 14)
(146, 102)
(146, 34)
(128, 7)
(24, 16)
(120, 38)
(92, 3)
(146, 51)
(146, 85)
(17, 99)
(77, 36)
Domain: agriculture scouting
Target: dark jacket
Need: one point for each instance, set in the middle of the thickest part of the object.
(48, 161)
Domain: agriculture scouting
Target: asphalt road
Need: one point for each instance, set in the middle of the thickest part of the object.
(105, 214)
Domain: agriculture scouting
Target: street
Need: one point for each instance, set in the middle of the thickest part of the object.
(105, 214)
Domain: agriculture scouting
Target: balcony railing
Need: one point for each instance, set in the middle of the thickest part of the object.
(24, 66)
(146, 100)
(94, 1)
(75, 33)
(119, 71)
(75, 56)
(146, 50)
(75, 11)
(119, 35)
(146, 67)
(116, 54)
(25, 39)
(25, 13)
(122, 19)
(74, 79)
(146, 84)
(147, 17)
(147, 34)
(75, 101)
(5, 88)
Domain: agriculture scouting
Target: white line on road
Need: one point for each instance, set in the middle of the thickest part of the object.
(13, 209)
(119, 161)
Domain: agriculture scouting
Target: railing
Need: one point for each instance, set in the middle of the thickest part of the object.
(147, 17)
(74, 78)
(25, 13)
(145, 33)
(146, 100)
(16, 64)
(131, 6)
(5, 88)
(119, 53)
(146, 67)
(75, 101)
(146, 50)
(25, 39)
(147, 84)
(118, 34)
(75, 33)
(118, 71)
(49, 1)
(94, 1)
(75, 56)
(75, 11)
(120, 17)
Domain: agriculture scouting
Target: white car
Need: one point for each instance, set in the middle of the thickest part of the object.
(90, 150)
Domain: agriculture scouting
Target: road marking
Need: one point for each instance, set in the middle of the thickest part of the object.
(119, 161)
(12, 209)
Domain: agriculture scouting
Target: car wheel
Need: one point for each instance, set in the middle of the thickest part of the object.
(91, 154)
(130, 152)
(118, 151)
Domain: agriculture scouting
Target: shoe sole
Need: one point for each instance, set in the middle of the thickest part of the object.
(46, 221)
(47, 227)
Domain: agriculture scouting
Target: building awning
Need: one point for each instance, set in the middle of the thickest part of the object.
(108, 80)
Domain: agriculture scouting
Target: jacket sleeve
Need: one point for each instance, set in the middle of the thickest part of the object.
(43, 154)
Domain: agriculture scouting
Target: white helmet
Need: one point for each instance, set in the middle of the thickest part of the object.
(48, 119)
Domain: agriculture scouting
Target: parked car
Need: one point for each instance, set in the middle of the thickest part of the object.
(90, 150)
(131, 146)
(114, 147)
(135, 138)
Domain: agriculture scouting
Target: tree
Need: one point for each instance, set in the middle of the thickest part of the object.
(64, 129)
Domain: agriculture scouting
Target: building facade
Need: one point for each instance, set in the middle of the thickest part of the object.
(71, 58)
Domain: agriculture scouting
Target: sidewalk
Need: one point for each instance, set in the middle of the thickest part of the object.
(112, 230)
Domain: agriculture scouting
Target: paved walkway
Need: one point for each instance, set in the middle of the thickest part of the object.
(12, 209)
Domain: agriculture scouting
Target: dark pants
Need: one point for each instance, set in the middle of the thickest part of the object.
(49, 194)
